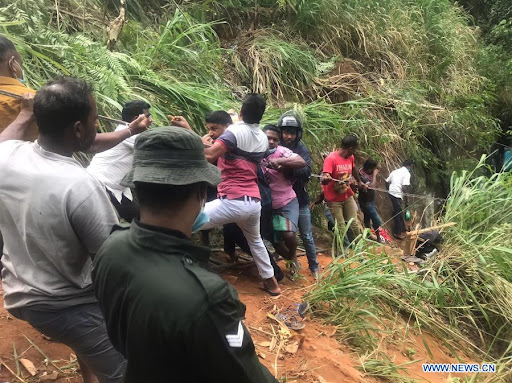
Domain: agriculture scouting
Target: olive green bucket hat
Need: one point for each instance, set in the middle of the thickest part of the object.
(170, 156)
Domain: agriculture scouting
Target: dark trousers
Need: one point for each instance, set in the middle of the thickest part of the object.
(398, 215)
(233, 236)
(371, 216)
(126, 209)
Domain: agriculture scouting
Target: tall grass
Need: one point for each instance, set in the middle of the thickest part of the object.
(462, 297)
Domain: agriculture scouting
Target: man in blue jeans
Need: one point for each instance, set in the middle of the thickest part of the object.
(368, 175)
(291, 135)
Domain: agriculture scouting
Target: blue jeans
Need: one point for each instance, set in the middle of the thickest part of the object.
(370, 214)
(306, 234)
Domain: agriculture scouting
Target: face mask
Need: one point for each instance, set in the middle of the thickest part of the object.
(271, 151)
(202, 218)
(22, 79)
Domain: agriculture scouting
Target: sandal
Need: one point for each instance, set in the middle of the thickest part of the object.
(272, 291)
(290, 321)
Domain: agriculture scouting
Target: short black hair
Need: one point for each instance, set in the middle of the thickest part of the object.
(60, 103)
(133, 109)
(253, 108)
(369, 164)
(6, 46)
(272, 128)
(220, 117)
(350, 141)
(408, 163)
(155, 196)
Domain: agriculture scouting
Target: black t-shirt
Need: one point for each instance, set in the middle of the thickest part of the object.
(369, 195)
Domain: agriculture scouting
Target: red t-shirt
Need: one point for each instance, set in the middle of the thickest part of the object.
(341, 169)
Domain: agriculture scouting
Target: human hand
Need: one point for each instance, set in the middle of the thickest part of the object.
(179, 121)
(139, 125)
(275, 164)
(27, 106)
(375, 172)
(363, 187)
(207, 140)
(326, 178)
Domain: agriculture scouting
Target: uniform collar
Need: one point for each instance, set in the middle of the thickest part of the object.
(10, 81)
(167, 241)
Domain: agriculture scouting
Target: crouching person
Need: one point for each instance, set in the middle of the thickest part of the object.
(164, 310)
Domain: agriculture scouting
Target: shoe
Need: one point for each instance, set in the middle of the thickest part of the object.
(271, 286)
(315, 274)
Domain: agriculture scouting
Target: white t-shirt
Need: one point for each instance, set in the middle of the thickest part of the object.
(110, 166)
(54, 216)
(397, 179)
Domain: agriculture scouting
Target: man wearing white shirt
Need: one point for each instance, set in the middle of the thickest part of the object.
(398, 183)
(110, 166)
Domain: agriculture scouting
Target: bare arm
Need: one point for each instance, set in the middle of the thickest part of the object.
(360, 184)
(215, 151)
(293, 162)
(212, 152)
(318, 200)
(373, 184)
(17, 128)
(105, 141)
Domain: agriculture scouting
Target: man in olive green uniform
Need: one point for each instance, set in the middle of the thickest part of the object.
(173, 319)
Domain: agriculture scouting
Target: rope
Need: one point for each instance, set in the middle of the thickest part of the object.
(104, 118)
(386, 191)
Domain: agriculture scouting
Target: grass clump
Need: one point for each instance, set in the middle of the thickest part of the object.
(462, 297)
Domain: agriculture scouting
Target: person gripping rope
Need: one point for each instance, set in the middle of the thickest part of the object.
(399, 183)
(54, 217)
(277, 168)
(291, 138)
(368, 175)
(110, 166)
(339, 196)
(238, 151)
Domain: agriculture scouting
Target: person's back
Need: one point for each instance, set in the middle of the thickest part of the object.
(398, 184)
(397, 179)
(46, 203)
(164, 310)
(247, 145)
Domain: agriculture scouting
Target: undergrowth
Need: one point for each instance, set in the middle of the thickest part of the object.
(462, 297)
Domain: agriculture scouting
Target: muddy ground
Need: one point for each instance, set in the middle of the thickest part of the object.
(313, 354)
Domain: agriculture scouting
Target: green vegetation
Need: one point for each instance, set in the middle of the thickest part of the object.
(403, 74)
(463, 296)
(413, 78)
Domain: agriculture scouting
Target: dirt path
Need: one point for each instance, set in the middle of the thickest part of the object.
(311, 355)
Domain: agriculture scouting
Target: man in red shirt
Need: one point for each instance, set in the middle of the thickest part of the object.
(339, 165)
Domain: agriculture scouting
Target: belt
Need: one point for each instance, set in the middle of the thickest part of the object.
(243, 198)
